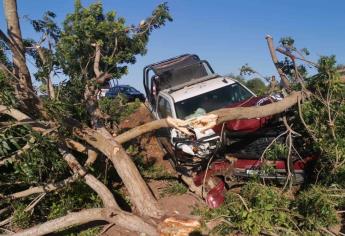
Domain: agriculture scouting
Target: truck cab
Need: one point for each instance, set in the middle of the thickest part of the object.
(185, 87)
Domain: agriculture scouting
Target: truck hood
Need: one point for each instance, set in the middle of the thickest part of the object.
(198, 86)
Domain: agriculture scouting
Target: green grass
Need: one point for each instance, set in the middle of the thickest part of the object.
(174, 188)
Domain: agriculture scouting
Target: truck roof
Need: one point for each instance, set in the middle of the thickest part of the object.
(199, 88)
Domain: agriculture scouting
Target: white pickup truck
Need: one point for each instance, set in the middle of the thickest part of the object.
(185, 87)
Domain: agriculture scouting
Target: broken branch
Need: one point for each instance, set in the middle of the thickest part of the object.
(285, 81)
(102, 191)
(121, 218)
(42, 189)
(215, 118)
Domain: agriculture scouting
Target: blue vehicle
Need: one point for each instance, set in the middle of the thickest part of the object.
(129, 92)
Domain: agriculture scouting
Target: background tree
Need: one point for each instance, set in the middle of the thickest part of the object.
(43, 51)
(257, 86)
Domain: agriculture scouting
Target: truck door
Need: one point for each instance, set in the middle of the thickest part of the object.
(164, 109)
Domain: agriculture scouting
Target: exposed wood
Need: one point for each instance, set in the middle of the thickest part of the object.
(103, 78)
(139, 193)
(178, 226)
(91, 153)
(7, 160)
(100, 76)
(142, 129)
(15, 37)
(24, 89)
(72, 144)
(97, 59)
(91, 157)
(101, 139)
(118, 217)
(16, 114)
(225, 114)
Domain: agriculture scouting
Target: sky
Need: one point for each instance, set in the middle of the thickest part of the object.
(227, 33)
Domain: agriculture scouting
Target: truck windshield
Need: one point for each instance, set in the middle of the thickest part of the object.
(212, 100)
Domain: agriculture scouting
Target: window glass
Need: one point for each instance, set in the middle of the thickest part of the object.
(164, 108)
(212, 100)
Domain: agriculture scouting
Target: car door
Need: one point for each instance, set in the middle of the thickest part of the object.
(163, 110)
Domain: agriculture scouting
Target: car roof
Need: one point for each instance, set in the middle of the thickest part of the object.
(200, 88)
(175, 62)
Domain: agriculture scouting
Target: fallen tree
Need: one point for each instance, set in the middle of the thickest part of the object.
(215, 118)
(121, 218)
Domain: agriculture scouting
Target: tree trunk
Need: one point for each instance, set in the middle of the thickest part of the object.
(139, 193)
(16, 43)
(284, 79)
(102, 191)
(50, 87)
(31, 104)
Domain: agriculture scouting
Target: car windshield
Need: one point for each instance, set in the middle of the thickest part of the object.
(212, 100)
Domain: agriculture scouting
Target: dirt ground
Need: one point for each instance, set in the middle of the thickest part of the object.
(148, 142)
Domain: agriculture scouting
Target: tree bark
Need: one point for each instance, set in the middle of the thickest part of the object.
(42, 189)
(30, 103)
(49, 83)
(139, 193)
(22, 117)
(102, 191)
(118, 217)
(102, 140)
(237, 113)
(91, 153)
(221, 115)
(16, 44)
(285, 81)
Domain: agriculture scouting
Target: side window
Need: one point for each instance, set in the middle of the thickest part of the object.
(164, 108)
